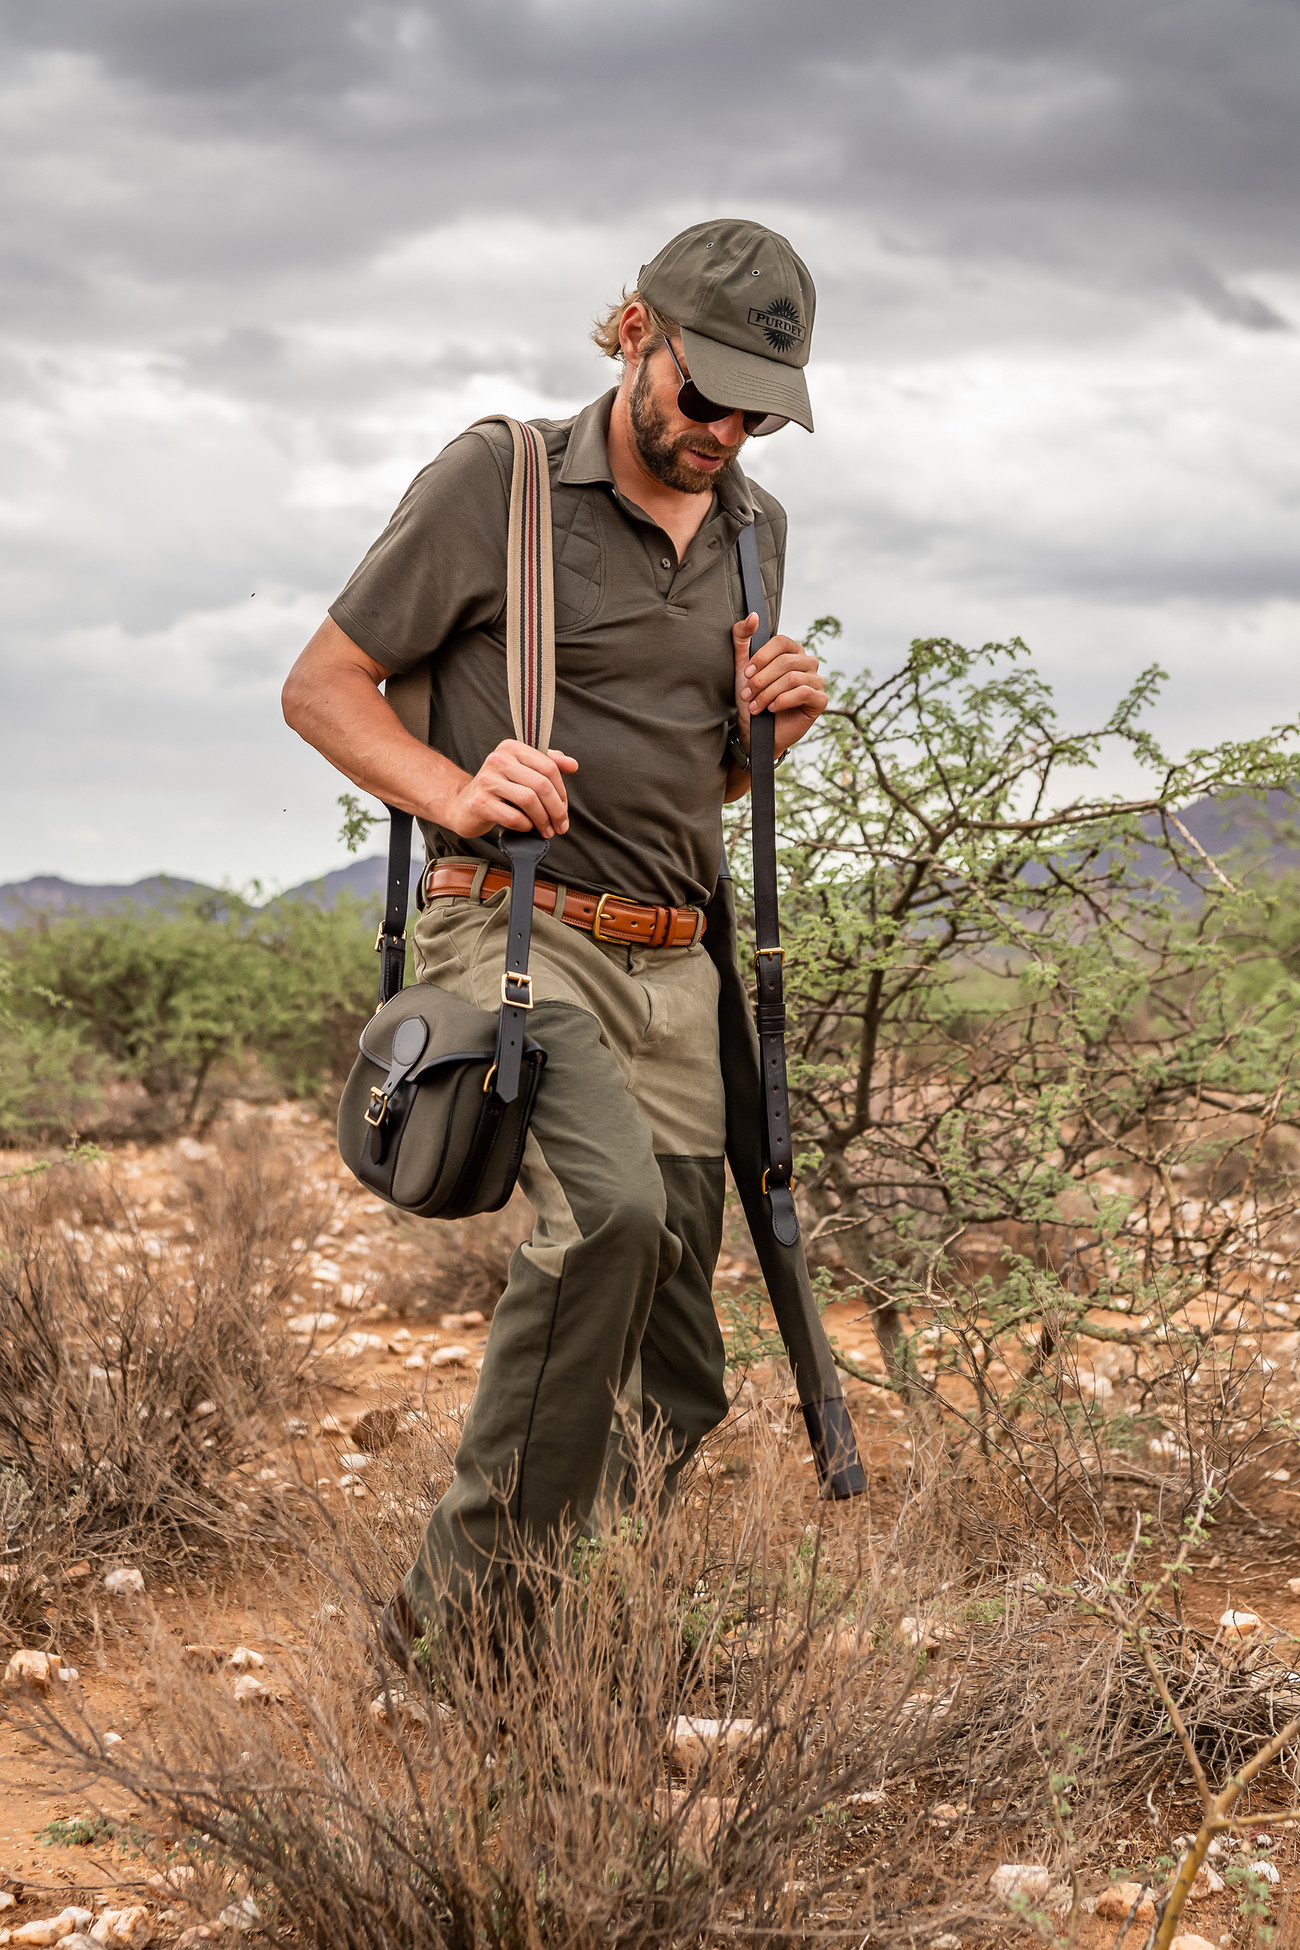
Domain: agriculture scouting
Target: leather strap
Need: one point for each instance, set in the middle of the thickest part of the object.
(530, 643)
(391, 943)
(769, 1009)
(607, 916)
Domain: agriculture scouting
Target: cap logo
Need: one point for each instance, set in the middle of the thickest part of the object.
(780, 324)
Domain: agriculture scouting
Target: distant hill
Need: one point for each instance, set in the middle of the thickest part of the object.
(1221, 826)
(49, 893)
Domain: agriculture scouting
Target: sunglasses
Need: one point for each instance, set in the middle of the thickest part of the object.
(692, 405)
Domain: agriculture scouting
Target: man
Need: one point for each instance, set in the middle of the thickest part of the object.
(611, 1299)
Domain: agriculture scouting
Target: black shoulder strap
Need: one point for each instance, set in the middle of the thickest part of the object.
(769, 1011)
(390, 945)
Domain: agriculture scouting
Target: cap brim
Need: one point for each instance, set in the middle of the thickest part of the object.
(746, 380)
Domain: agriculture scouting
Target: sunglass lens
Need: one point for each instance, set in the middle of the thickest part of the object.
(692, 404)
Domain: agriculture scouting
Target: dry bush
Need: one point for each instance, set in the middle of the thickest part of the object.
(139, 1378)
(460, 1267)
(914, 1713)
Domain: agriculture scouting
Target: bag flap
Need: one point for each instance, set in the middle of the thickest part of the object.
(456, 1028)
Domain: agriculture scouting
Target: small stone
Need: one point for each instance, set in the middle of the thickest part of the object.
(694, 1742)
(457, 1323)
(945, 1812)
(703, 1818)
(451, 1357)
(244, 1659)
(376, 1429)
(330, 1425)
(66, 1673)
(123, 1929)
(251, 1691)
(51, 1929)
(34, 1669)
(1117, 1902)
(241, 1916)
(124, 1583)
(1293, 1586)
(1207, 1882)
(205, 1409)
(74, 1573)
(201, 1655)
(868, 1798)
(355, 1344)
(308, 1324)
(1020, 1879)
(355, 1459)
(1268, 1870)
(1240, 1624)
(946, 1942)
(7, 1899)
(112, 1739)
(414, 1361)
(174, 1880)
(1190, 1942)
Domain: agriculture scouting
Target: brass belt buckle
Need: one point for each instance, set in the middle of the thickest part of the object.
(596, 934)
(378, 1110)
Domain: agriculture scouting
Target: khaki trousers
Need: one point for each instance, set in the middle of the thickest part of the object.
(610, 1302)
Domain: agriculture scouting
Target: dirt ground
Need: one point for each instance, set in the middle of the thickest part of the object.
(383, 1326)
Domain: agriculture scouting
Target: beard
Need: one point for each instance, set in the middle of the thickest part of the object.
(661, 454)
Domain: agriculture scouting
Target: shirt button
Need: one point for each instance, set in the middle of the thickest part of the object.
(664, 563)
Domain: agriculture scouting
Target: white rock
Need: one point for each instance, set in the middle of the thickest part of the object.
(244, 1659)
(67, 1674)
(925, 1634)
(241, 1916)
(124, 1583)
(457, 1323)
(1020, 1879)
(7, 1899)
(123, 1929)
(414, 1361)
(330, 1425)
(174, 1880)
(306, 1324)
(1208, 1882)
(1268, 1870)
(205, 1409)
(1188, 1941)
(51, 1929)
(356, 1344)
(355, 1459)
(451, 1357)
(946, 1942)
(868, 1798)
(1240, 1624)
(34, 1669)
(112, 1739)
(1293, 1586)
(250, 1690)
(695, 1741)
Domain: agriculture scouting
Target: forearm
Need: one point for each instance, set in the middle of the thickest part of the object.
(737, 783)
(352, 724)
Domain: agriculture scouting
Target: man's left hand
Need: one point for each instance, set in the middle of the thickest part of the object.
(782, 678)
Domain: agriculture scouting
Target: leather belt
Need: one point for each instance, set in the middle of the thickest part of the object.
(608, 917)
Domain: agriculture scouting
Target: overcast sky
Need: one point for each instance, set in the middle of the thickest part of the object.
(261, 259)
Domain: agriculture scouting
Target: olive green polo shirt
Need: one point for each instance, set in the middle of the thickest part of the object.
(645, 669)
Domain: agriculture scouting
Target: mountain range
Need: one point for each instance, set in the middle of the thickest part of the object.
(1221, 826)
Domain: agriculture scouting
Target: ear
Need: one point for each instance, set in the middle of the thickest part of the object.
(633, 331)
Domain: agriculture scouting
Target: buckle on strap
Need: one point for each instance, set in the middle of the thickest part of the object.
(788, 1185)
(596, 934)
(382, 939)
(778, 952)
(378, 1110)
(524, 982)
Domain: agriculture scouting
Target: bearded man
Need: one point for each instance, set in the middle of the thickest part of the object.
(610, 1301)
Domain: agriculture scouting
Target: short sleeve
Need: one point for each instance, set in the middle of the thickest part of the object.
(440, 565)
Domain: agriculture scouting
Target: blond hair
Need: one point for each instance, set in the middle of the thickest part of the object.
(605, 330)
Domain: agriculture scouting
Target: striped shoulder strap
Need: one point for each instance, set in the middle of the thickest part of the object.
(530, 586)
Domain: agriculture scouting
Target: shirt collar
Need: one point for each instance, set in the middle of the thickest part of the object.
(586, 461)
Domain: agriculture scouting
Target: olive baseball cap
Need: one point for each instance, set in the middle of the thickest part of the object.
(745, 303)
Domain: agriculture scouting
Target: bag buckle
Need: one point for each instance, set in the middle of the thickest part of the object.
(789, 1185)
(398, 940)
(524, 982)
(778, 952)
(378, 1110)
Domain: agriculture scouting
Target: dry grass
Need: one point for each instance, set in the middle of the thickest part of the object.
(140, 1385)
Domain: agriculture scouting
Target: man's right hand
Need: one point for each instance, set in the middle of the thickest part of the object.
(516, 786)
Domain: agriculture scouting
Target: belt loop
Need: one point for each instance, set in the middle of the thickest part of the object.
(481, 872)
(698, 935)
(561, 896)
(662, 923)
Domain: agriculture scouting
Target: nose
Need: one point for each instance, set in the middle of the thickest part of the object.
(730, 430)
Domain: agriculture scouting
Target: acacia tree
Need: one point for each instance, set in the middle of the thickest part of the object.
(1005, 990)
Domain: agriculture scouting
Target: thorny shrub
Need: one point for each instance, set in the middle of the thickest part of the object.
(139, 1384)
